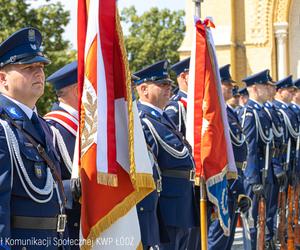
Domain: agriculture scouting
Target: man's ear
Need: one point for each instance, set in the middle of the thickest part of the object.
(182, 75)
(2, 78)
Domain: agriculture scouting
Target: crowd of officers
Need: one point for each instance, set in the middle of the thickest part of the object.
(38, 199)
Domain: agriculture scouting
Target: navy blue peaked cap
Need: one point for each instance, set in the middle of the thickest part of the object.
(286, 82)
(262, 77)
(22, 47)
(243, 91)
(181, 66)
(225, 74)
(157, 73)
(297, 83)
(64, 77)
(235, 91)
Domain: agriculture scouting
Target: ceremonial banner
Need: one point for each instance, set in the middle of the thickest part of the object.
(115, 168)
(207, 125)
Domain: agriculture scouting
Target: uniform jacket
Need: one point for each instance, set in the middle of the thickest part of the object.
(73, 208)
(176, 110)
(14, 200)
(256, 146)
(177, 200)
(277, 144)
(294, 121)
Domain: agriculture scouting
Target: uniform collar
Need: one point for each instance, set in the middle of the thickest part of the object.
(28, 111)
(69, 109)
(256, 102)
(284, 104)
(182, 93)
(230, 107)
(160, 111)
(297, 105)
(268, 104)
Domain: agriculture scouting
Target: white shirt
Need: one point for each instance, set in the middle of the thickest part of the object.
(152, 106)
(28, 111)
(69, 109)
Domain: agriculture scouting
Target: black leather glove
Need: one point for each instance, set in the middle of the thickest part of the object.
(244, 203)
(76, 189)
(293, 179)
(281, 179)
(258, 189)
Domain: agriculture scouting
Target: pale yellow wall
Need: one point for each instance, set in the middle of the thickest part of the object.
(244, 34)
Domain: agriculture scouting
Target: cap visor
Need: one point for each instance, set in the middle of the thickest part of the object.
(162, 81)
(35, 59)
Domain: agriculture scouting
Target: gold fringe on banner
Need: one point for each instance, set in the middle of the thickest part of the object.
(107, 179)
(119, 210)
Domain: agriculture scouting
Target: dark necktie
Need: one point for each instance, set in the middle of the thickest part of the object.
(37, 125)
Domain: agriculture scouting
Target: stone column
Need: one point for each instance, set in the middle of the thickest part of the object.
(281, 33)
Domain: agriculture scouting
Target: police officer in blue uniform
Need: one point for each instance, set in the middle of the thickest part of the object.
(258, 131)
(31, 196)
(277, 163)
(237, 200)
(234, 101)
(176, 111)
(176, 108)
(64, 117)
(283, 97)
(294, 105)
(152, 229)
(244, 97)
(177, 202)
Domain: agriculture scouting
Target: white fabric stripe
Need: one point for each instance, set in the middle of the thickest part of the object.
(65, 114)
(91, 27)
(102, 143)
(123, 234)
(65, 125)
(191, 95)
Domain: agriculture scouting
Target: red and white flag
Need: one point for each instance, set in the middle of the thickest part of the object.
(115, 169)
(207, 125)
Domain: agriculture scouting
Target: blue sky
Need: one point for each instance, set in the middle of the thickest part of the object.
(140, 5)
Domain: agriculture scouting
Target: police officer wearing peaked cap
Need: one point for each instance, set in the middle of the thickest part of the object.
(277, 163)
(283, 98)
(31, 196)
(176, 108)
(257, 127)
(177, 202)
(64, 119)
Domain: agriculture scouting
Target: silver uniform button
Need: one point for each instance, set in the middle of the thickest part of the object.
(141, 209)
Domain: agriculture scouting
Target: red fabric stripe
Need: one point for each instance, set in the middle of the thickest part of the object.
(183, 102)
(209, 147)
(81, 38)
(107, 11)
(199, 95)
(72, 124)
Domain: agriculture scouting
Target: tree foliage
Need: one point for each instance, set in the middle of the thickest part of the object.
(152, 36)
(51, 19)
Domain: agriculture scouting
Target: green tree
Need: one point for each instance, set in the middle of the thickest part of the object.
(152, 36)
(51, 19)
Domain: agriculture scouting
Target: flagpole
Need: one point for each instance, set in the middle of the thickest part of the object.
(203, 196)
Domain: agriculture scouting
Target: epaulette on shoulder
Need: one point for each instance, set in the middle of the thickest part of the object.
(248, 111)
(175, 98)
